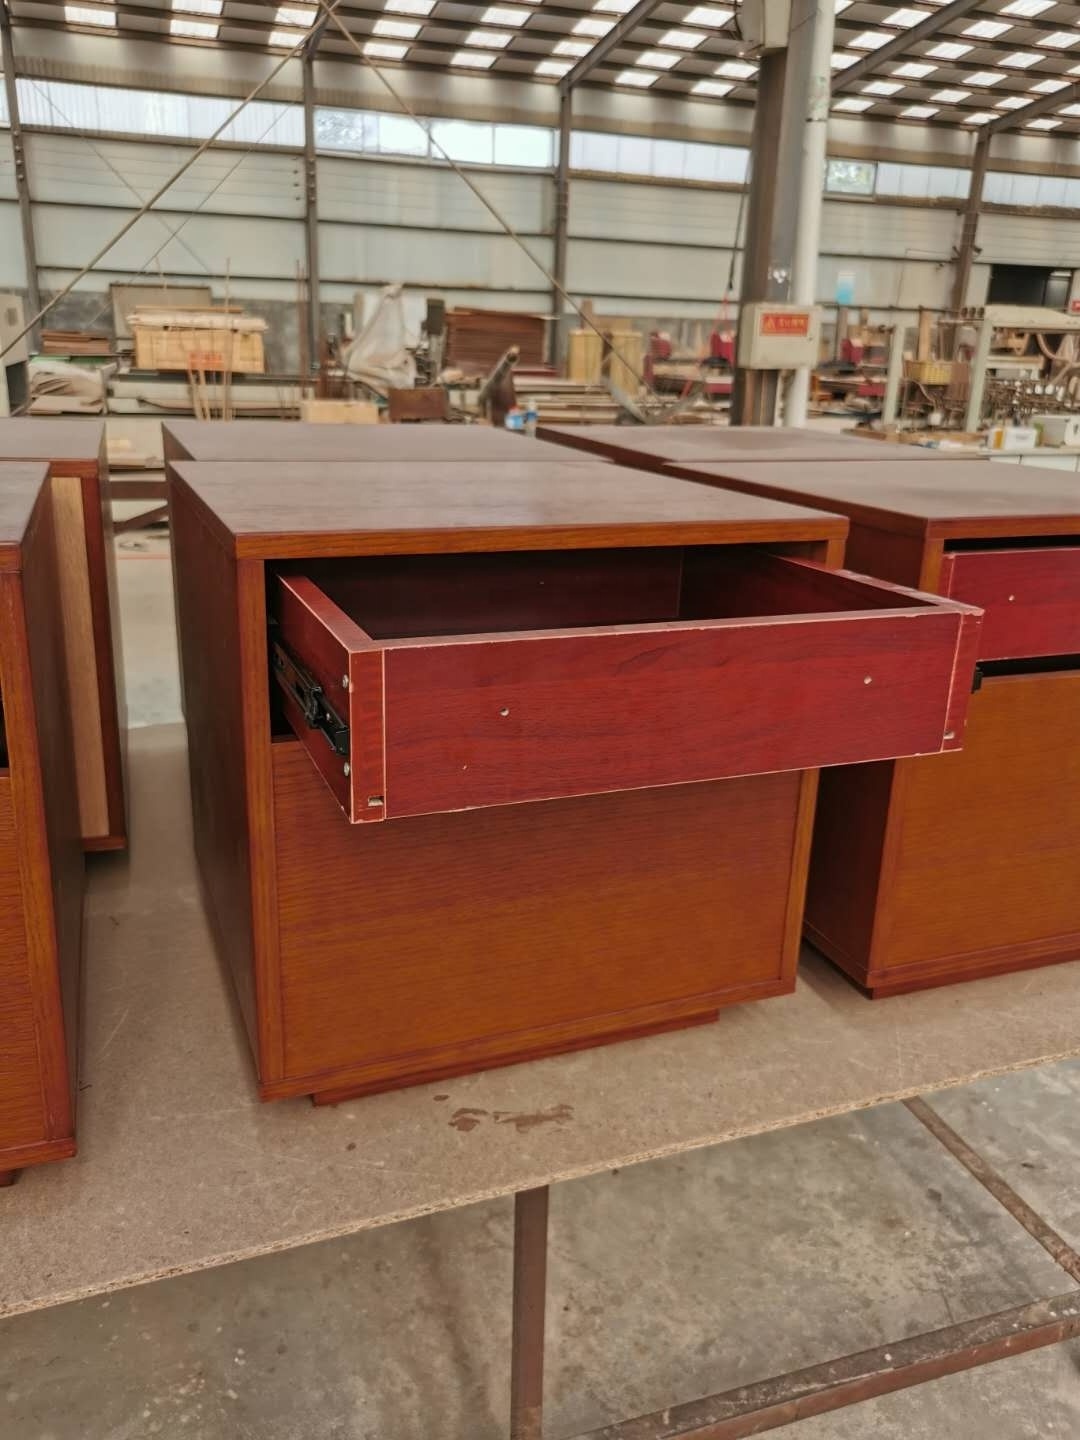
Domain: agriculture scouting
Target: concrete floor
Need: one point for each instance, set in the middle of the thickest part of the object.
(669, 1281)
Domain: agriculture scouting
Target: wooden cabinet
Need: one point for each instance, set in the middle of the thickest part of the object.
(40, 853)
(926, 871)
(467, 740)
(651, 447)
(291, 440)
(86, 593)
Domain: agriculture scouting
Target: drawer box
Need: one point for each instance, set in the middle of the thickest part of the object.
(428, 684)
(1031, 596)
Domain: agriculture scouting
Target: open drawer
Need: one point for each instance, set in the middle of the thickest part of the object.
(422, 684)
(1031, 595)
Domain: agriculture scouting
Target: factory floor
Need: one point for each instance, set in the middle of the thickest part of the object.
(669, 1281)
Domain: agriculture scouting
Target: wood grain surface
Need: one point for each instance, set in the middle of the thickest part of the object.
(76, 453)
(395, 970)
(944, 499)
(652, 446)
(40, 858)
(978, 849)
(276, 440)
(1031, 598)
(278, 511)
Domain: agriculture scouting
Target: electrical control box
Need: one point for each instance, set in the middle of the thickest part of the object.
(764, 26)
(777, 336)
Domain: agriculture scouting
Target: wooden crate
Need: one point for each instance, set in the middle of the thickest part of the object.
(168, 347)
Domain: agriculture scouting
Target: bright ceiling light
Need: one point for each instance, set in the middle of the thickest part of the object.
(1013, 102)
(1049, 87)
(736, 70)
(852, 104)
(905, 18)
(503, 15)
(1043, 124)
(1059, 39)
(488, 39)
(397, 29)
(840, 60)
(985, 77)
(986, 29)
(199, 7)
(1027, 8)
(918, 112)
(411, 7)
(656, 60)
(683, 39)
(912, 70)
(870, 39)
(83, 15)
(300, 16)
(555, 68)
(472, 59)
(711, 87)
(596, 28)
(1021, 59)
(385, 49)
(577, 48)
(710, 15)
(950, 97)
(639, 78)
(978, 117)
(881, 87)
(949, 50)
(193, 29)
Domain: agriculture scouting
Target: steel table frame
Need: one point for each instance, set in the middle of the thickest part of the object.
(817, 1389)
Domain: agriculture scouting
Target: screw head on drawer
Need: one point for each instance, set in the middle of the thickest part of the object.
(868, 680)
(344, 682)
(347, 768)
(505, 711)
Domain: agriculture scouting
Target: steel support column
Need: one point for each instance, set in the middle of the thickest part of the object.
(560, 230)
(753, 401)
(530, 1305)
(801, 174)
(22, 179)
(311, 210)
(965, 253)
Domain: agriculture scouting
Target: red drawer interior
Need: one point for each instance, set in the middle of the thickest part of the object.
(451, 682)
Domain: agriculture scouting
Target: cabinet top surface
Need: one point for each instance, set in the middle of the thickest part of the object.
(297, 440)
(32, 439)
(955, 498)
(20, 486)
(738, 444)
(311, 509)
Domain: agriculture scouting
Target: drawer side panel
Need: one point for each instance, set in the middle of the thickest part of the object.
(1031, 598)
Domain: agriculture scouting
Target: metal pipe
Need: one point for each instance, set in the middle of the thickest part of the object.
(311, 211)
(22, 178)
(560, 232)
(802, 162)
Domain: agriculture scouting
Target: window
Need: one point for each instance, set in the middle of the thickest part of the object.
(528, 146)
(850, 177)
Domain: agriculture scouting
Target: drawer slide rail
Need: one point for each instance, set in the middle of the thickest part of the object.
(302, 687)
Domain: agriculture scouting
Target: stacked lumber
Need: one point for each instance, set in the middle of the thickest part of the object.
(213, 340)
(74, 342)
(617, 353)
(477, 339)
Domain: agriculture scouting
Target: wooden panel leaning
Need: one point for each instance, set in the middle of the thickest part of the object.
(926, 871)
(86, 585)
(41, 864)
(490, 727)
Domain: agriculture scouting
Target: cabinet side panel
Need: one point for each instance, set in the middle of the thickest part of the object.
(105, 599)
(22, 1102)
(45, 802)
(209, 642)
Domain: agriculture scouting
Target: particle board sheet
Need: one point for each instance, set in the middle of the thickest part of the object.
(181, 1168)
(652, 446)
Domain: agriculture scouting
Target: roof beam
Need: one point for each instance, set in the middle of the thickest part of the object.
(1041, 105)
(619, 32)
(898, 47)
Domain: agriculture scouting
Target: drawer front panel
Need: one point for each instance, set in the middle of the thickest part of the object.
(1031, 598)
(453, 723)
